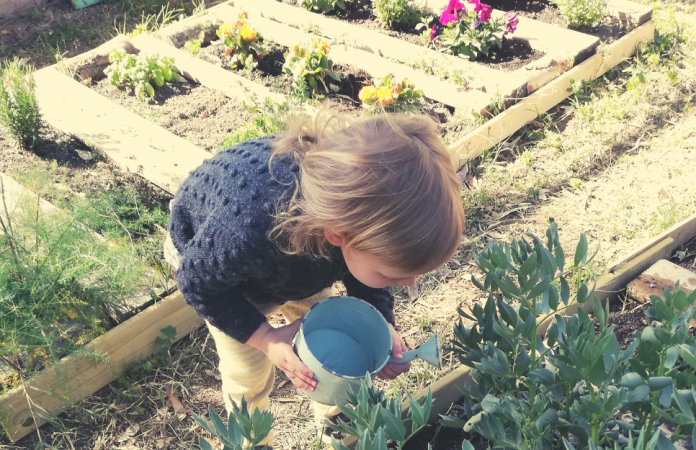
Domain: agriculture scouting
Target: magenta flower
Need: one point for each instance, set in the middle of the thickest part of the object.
(486, 12)
(433, 32)
(512, 21)
(477, 5)
(450, 13)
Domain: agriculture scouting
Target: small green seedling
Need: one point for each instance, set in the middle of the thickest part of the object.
(140, 72)
(168, 339)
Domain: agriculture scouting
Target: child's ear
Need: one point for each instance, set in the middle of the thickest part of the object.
(334, 238)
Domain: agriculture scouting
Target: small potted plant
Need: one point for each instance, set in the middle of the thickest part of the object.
(471, 32)
(240, 39)
(392, 95)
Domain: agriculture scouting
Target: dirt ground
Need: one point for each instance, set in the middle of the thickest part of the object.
(596, 167)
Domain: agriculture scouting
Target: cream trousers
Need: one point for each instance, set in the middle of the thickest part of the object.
(246, 371)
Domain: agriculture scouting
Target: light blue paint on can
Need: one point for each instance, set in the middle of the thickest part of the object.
(340, 340)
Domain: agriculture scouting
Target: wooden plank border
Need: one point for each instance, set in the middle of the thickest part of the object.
(509, 121)
(75, 377)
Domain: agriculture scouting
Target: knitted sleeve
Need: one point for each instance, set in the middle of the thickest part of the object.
(382, 299)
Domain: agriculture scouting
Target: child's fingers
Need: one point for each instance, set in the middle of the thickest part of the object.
(299, 372)
(392, 371)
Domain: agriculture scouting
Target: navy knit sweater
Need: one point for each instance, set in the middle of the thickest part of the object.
(220, 223)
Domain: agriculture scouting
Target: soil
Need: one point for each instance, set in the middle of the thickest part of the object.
(443, 438)
(513, 55)
(202, 116)
(686, 256)
(609, 30)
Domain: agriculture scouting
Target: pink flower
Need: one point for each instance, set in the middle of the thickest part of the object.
(512, 21)
(477, 5)
(433, 32)
(450, 13)
(486, 12)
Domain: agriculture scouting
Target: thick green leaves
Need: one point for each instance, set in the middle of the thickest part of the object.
(581, 250)
(542, 376)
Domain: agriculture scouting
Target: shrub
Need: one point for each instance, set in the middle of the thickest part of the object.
(582, 13)
(469, 33)
(324, 6)
(19, 111)
(389, 94)
(240, 39)
(397, 12)
(143, 73)
(309, 64)
(575, 388)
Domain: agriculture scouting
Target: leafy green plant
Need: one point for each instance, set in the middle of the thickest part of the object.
(140, 72)
(573, 388)
(19, 110)
(397, 12)
(268, 118)
(390, 94)
(582, 13)
(324, 6)
(193, 46)
(244, 430)
(468, 33)
(376, 418)
(240, 39)
(169, 334)
(309, 64)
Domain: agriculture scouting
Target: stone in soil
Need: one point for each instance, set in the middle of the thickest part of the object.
(662, 274)
(196, 113)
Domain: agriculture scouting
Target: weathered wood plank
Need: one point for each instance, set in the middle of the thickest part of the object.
(514, 118)
(482, 77)
(134, 143)
(12, 194)
(75, 377)
(9, 7)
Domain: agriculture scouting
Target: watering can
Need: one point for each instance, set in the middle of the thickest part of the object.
(343, 338)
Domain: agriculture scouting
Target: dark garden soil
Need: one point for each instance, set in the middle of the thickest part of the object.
(513, 55)
(196, 113)
(442, 438)
(686, 256)
(609, 30)
(360, 12)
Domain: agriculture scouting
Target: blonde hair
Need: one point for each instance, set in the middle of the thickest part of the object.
(385, 183)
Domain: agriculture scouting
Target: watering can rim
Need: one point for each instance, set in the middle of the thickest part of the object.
(349, 377)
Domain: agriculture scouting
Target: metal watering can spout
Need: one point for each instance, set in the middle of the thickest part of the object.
(428, 352)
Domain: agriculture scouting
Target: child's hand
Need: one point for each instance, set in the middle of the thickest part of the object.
(391, 370)
(276, 344)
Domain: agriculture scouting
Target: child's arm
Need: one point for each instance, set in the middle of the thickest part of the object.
(275, 343)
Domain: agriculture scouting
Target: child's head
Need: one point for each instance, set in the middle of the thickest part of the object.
(382, 188)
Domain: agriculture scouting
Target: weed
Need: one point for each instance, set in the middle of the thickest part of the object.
(270, 118)
(193, 46)
(575, 183)
(324, 6)
(397, 12)
(582, 13)
(54, 269)
(164, 343)
(36, 16)
(19, 111)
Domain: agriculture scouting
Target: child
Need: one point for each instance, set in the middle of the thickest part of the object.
(270, 225)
